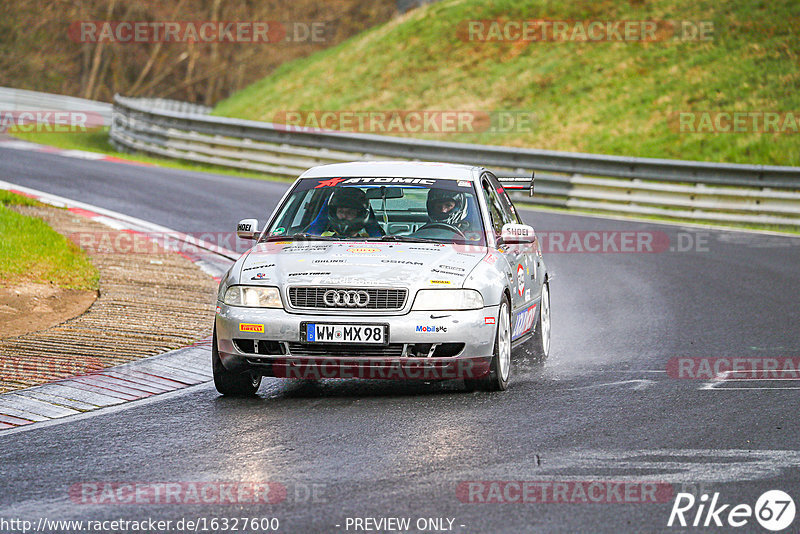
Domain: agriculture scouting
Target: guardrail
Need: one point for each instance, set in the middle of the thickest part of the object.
(24, 100)
(687, 189)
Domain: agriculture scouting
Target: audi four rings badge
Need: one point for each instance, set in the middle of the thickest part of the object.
(350, 298)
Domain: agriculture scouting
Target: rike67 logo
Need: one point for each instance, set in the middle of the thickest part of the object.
(774, 510)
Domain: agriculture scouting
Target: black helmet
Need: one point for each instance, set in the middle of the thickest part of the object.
(352, 198)
(455, 215)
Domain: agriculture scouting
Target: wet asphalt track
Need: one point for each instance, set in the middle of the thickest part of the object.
(601, 408)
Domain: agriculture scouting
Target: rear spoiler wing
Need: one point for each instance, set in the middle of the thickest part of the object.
(517, 183)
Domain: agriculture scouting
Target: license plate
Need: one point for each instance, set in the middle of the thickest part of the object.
(345, 333)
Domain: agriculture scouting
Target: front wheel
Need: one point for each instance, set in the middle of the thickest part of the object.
(241, 384)
(500, 370)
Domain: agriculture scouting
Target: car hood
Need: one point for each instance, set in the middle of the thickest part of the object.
(411, 265)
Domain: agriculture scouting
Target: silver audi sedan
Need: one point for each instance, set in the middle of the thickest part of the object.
(393, 270)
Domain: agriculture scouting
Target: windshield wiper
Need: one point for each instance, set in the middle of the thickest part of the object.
(297, 237)
(405, 239)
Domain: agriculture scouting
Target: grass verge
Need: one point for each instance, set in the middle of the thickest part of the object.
(619, 97)
(31, 251)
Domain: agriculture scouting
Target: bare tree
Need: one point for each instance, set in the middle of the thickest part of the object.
(37, 51)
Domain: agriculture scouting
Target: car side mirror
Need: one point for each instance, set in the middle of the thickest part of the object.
(247, 229)
(518, 233)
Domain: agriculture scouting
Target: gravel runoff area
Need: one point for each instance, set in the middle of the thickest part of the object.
(149, 302)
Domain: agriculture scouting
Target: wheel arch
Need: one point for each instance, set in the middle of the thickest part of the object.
(507, 294)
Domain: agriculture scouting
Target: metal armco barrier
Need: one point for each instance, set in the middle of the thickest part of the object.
(24, 100)
(640, 186)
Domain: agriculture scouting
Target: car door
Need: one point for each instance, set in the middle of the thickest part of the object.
(521, 258)
(532, 251)
(500, 215)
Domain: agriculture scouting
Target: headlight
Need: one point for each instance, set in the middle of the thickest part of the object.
(253, 297)
(447, 299)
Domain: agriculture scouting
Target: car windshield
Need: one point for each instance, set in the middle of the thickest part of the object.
(380, 209)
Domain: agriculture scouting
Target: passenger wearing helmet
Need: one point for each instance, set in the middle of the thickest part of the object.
(348, 213)
(448, 207)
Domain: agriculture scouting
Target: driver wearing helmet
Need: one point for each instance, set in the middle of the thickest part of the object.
(348, 213)
(448, 207)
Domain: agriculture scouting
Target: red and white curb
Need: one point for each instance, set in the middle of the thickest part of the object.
(132, 381)
(18, 144)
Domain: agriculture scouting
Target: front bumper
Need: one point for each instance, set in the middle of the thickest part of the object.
(421, 345)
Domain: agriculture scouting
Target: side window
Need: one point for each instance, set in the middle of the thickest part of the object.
(496, 210)
(509, 213)
(509, 207)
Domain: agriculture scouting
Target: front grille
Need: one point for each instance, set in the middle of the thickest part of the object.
(313, 298)
(392, 350)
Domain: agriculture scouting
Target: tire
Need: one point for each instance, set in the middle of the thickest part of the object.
(541, 335)
(500, 369)
(238, 384)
